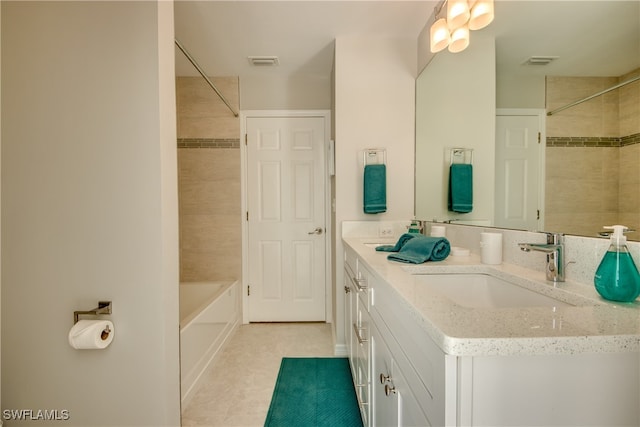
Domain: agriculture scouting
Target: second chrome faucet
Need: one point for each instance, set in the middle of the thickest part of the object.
(554, 248)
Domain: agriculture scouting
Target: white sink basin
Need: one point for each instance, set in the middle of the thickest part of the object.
(484, 291)
(375, 245)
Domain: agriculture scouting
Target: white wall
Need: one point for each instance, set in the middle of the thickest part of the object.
(456, 108)
(89, 209)
(374, 107)
(513, 91)
(270, 92)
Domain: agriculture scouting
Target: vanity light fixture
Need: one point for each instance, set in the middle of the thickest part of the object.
(459, 39)
(462, 16)
(458, 13)
(440, 35)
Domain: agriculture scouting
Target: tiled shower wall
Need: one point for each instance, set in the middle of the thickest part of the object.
(208, 180)
(592, 155)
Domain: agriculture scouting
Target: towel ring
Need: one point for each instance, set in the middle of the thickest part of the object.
(371, 156)
(461, 153)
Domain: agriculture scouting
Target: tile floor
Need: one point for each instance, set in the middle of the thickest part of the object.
(236, 390)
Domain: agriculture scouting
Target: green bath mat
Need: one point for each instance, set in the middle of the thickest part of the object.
(314, 392)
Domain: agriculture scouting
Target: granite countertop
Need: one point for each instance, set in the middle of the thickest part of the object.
(589, 325)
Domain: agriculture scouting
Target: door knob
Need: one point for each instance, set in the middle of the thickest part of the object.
(318, 230)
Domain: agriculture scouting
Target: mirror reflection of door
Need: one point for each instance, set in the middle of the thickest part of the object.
(519, 180)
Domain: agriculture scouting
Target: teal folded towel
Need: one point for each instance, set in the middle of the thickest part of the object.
(375, 189)
(399, 244)
(461, 188)
(421, 249)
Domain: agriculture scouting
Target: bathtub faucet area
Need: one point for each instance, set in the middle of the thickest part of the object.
(554, 248)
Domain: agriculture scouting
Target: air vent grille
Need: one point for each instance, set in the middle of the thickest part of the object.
(540, 60)
(264, 61)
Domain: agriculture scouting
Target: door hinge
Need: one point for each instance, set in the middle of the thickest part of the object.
(245, 139)
(247, 215)
(538, 214)
(539, 137)
(248, 290)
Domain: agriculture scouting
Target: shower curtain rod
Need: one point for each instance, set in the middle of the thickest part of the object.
(204, 76)
(619, 85)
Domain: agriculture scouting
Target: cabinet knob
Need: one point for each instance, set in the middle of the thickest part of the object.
(388, 390)
(384, 378)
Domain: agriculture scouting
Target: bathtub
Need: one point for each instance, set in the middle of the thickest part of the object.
(209, 314)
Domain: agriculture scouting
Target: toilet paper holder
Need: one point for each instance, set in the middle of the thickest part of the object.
(104, 307)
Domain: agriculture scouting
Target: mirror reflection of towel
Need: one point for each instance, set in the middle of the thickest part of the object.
(460, 188)
(375, 189)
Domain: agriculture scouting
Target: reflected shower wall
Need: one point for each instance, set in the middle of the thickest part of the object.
(208, 180)
(592, 156)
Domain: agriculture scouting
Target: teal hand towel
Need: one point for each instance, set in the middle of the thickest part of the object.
(422, 249)
(399, 244)
(461, 188)
(375, 189)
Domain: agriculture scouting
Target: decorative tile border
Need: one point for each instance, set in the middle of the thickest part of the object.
(630, 140)
(208, 142)
(577, 141)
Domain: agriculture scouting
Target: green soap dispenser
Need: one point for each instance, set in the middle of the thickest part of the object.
(617, 277)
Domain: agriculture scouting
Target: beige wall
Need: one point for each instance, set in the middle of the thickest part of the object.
(208, 180)
(90, 210)
(630, 105)
(592, 156)
(629, 189)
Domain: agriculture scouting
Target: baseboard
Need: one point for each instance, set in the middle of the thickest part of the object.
(340, 350)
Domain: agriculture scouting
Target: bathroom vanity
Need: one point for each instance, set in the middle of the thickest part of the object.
(427, 352)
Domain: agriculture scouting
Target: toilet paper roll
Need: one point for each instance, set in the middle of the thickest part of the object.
(91, 334)
(491, 248)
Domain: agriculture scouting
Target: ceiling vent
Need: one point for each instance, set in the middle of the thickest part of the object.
(540, 60)
(264, 61)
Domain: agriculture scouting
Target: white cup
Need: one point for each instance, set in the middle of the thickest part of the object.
(438, 231)
(491, 248)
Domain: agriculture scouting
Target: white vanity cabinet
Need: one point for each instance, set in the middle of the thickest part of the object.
(418, 366)
(405, 378)
(393, 401)
(401, 398)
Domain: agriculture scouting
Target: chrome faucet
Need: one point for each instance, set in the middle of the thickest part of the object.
(554, 248)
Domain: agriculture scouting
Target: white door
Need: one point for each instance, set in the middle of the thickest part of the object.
(519, 171)
(286, 218)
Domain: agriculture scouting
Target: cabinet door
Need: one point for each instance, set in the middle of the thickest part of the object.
(353, 324)
(365, 284)
(421, 360)
(362, 351)
(348, 316)
(410, 413)
(394, 402)
(384, 400)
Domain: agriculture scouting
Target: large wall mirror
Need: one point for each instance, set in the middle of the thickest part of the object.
(492, 100)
